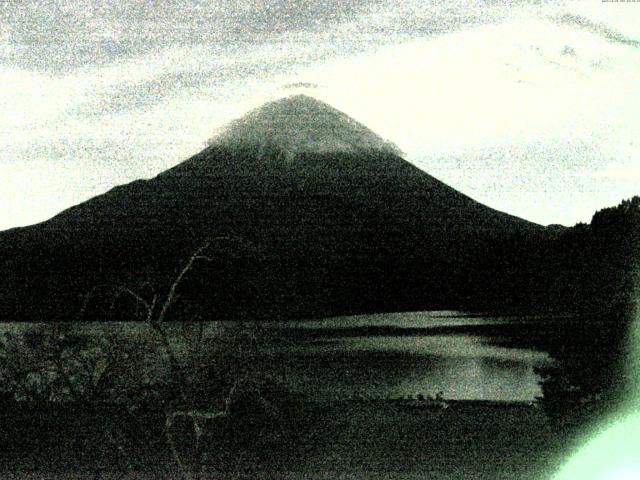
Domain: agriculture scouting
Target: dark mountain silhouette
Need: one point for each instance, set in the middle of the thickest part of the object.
(315, 215)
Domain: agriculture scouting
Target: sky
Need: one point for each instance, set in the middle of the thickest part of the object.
(530, 107)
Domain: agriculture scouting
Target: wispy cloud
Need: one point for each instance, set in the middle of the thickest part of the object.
(628, 172)
(599, 28)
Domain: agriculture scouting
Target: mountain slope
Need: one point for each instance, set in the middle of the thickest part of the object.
(311, 221)
(300, 124)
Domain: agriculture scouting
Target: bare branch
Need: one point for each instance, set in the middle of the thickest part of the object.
(173, 360)
(125, 290)
(199, 414)
(197, 255)
(172, 445)
(152, 307)
(172, 291)
(88, 297)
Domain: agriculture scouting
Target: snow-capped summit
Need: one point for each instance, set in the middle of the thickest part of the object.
(301, 123)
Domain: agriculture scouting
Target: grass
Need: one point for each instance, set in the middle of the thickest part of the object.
(346, 439)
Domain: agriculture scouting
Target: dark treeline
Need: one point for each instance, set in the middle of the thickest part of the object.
(592, 376)
(588, 275)
(584, 269)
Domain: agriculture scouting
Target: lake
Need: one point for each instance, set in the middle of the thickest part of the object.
(405, 354)
(383, 356)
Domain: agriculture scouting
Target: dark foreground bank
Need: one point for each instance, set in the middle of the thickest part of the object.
(355, 439)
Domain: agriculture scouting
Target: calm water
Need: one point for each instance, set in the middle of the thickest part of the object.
(388, 365)
(398, 356)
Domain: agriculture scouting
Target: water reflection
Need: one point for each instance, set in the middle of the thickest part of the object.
(461, 366)
(379, 356)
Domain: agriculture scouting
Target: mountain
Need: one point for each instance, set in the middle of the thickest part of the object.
(311, 213)
(302, 124)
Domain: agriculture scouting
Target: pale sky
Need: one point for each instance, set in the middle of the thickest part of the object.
(530, 107)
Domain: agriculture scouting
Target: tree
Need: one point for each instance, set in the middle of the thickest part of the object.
(109, 363)
(589, 376)
(185, 390)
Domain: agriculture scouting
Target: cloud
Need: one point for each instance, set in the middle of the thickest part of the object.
(63, 35)
(628, 172)
(484, 85)
(599, 28)
(501, 113)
